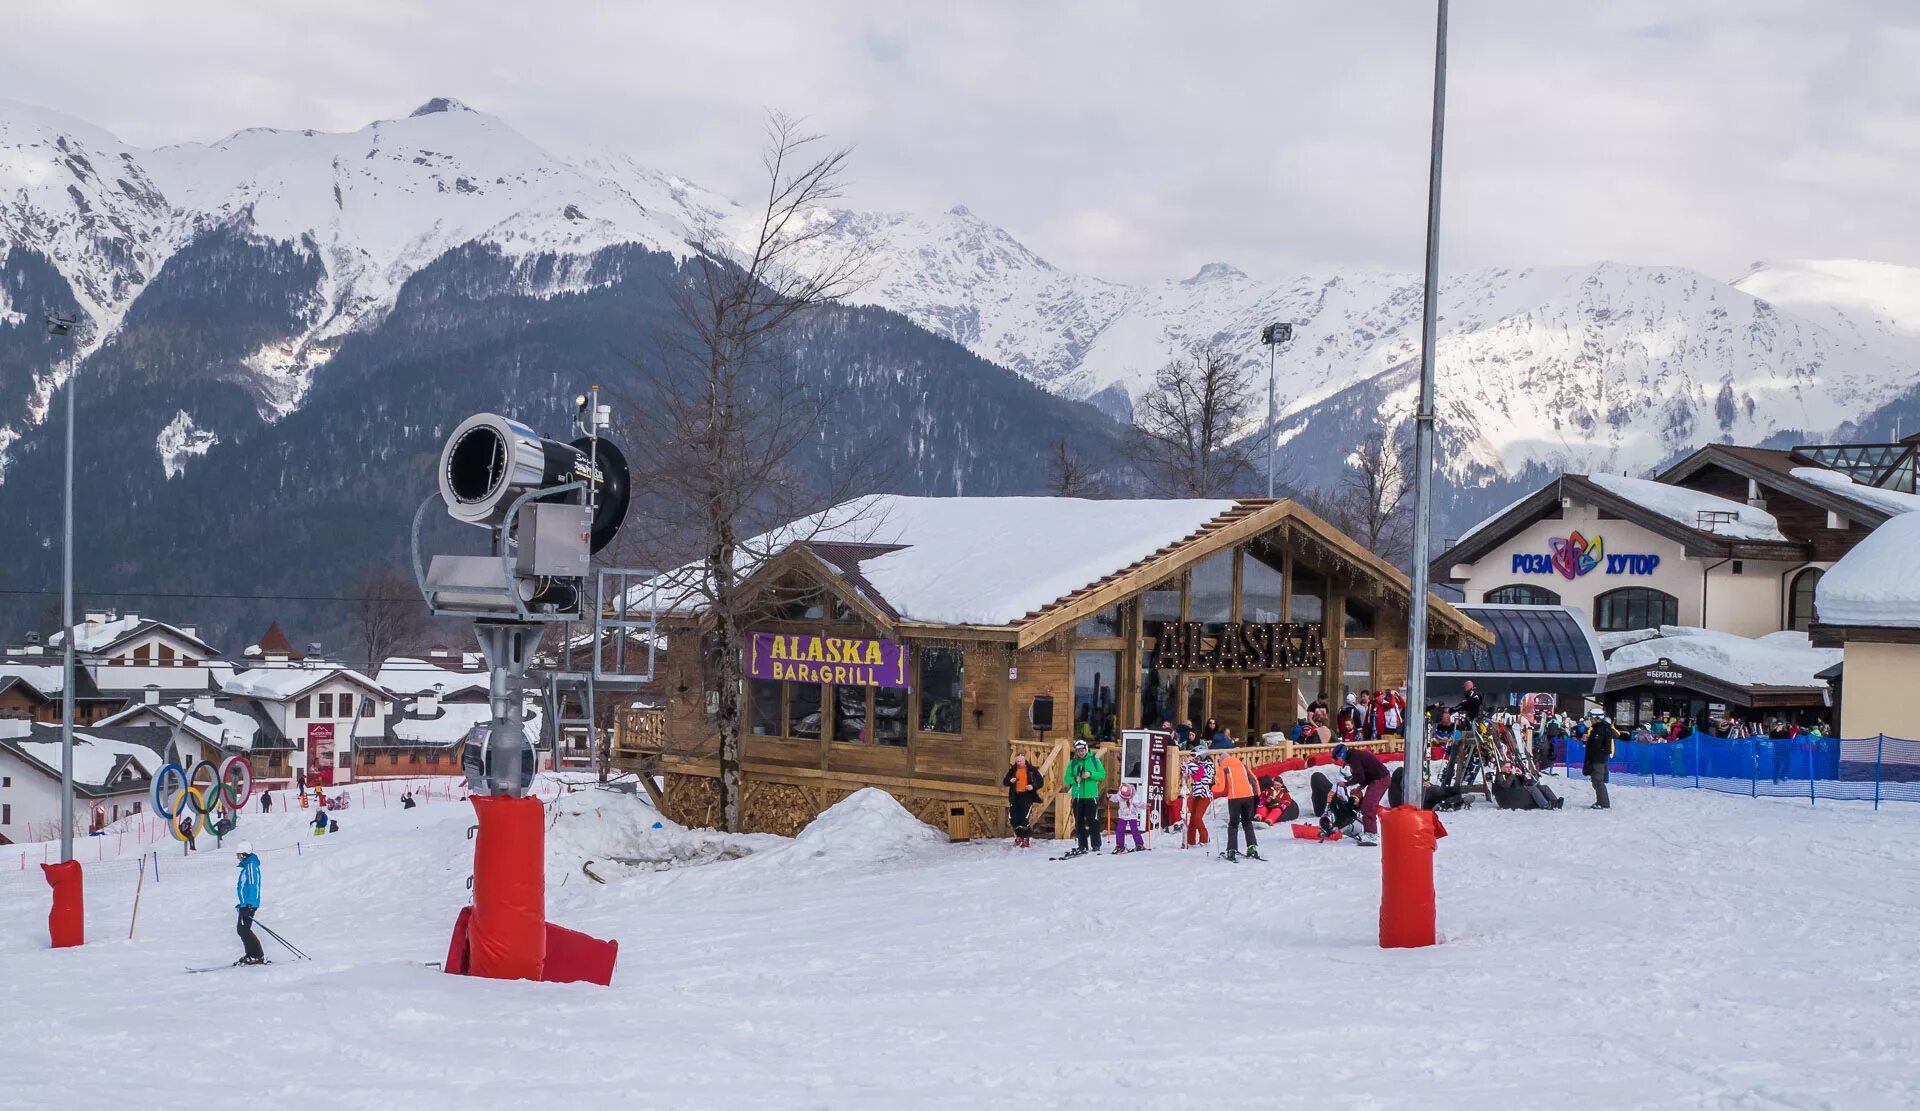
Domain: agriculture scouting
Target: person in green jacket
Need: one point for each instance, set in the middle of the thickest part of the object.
(1085, 774)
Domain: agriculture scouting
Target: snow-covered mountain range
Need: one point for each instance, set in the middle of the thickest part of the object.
(1605, 366)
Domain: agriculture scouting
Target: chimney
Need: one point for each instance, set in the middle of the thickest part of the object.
(95, 619)
(152, 695)
(428, 704)
(203, 705)
(191, 630)
(133, 618)
(313, 650)
(1755, 496)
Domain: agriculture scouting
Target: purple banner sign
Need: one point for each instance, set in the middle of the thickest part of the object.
(841, 661)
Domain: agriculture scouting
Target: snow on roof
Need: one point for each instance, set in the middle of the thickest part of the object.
(1492, 517)
(1783, 659)
(1878, 582)
(104, 634)
(1696, 510)
(277, 684)
(409, 675)
(452, 723)
(980, 561)
(94, 756)
(219, 725)
(1873, 497)
(46, 678)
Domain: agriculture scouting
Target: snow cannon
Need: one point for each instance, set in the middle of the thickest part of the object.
(547, 507)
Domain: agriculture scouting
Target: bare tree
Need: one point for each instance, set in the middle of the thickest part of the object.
(1183, 440)
(388, 614)
(1069, 476)
(723, 424)
(1370, 501)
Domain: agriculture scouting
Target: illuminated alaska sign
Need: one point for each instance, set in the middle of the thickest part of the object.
(1574, 555)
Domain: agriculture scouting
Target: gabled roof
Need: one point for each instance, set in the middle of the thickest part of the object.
(1775, 469)
(100, 754)
(111, 634)
(1488, 535)
(282, 684)
(1023, 568)
(232, 727)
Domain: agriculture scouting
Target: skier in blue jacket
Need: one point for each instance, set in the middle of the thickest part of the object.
(246, 891)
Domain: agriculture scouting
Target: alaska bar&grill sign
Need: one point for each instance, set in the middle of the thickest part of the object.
(842, 661)
(1180, 646)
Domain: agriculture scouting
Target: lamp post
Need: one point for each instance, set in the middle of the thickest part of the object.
(1415, 776)
(60, 325)
(1274, 336)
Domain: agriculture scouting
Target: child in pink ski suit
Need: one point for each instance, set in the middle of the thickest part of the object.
(1129, 816)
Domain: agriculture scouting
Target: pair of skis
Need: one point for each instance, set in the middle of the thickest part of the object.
(290, 947)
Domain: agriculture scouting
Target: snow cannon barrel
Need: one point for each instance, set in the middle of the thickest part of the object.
(507, 936)
(67, 921)
(490, 460)
(1406, 878)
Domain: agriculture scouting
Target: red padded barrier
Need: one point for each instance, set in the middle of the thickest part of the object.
(575, 957)
(1406, 878)
(67, 921)
(507, 935)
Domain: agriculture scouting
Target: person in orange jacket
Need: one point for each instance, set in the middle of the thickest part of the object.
(1233, 782)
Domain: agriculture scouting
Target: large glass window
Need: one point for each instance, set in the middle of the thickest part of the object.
(763, 707)
(1105, 623)
(1356, 672)
(1309, 597)
(1800, 613)
(1359, 619)
(1197, 702)
(1094, 707)
(1211, 601)
(1261, 586)
(1158, 701)
(803, 710)
(326, 706)
(942, 673)
(346, 705)
(1635, 607)
(890, 716)
(850, 715)
(1522, 594)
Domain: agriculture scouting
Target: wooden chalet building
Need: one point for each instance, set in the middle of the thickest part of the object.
(907, 643)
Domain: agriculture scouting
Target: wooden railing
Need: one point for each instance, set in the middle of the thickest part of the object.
(639, 731)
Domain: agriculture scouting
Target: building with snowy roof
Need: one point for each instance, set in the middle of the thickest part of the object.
(1869, 608)
(113, 768)
(915, 644)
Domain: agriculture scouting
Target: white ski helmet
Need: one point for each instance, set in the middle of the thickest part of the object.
(244, 848)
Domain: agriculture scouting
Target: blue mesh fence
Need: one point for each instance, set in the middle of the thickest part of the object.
(1861, 769)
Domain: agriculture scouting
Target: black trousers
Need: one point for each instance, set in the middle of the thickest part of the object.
(1021, 808)
(245, 929)
(1086, 823)
(1239, 817)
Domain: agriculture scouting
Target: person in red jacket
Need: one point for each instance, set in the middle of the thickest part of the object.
(1367, 777)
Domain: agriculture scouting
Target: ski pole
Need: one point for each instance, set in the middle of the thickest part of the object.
(291, 947)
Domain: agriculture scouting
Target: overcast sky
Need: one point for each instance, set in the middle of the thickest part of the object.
(1134, 141)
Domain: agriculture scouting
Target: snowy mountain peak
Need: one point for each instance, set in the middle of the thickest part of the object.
(438, 105)
(1216, 272)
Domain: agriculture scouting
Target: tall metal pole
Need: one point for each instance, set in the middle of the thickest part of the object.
(1416, 756)
(66, 640)
(1273, 354)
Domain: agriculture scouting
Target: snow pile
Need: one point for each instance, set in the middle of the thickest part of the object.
(1696, 510)
(617, 833)
(180, 441)
(1886, 501)
(985, 561)
(868, 826)
(1878, 582)
(1783, 659)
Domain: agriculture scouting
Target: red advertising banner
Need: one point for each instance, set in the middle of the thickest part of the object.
(320, 753)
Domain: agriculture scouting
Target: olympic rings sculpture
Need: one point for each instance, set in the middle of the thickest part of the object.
(227, 794)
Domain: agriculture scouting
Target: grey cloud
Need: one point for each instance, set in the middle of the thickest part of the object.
(1131, 140)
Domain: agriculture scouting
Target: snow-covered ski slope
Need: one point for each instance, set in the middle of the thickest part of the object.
(1683, 950)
